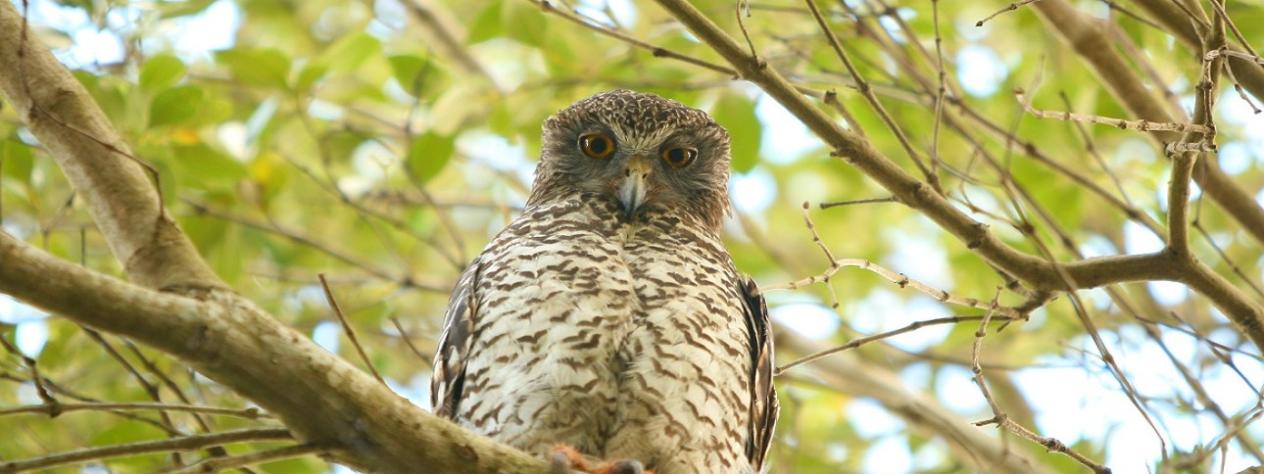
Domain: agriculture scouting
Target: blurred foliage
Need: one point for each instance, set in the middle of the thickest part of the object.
(347, 138)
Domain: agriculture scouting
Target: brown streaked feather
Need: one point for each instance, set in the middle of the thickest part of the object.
(455, 342)
(764, 406)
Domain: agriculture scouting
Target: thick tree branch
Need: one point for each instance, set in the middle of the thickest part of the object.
(1035, 271)
(320, 397)
(120, 195)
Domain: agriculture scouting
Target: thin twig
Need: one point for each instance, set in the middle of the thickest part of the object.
(869, 96)
(257, 457)
(50, 405)
(827, 205)
(1002, 420)
(1141, 125)
(130, 449)
(346, 327)
(1008, 8)
(854, 343)
(428, 359)
(248, 413)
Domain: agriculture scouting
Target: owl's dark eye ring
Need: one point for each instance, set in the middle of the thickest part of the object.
(679, 157)
(596, 145)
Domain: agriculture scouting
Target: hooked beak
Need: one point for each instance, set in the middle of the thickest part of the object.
(632, 190)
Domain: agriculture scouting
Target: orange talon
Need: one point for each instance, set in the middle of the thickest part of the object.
(626, 466)
(564, 458)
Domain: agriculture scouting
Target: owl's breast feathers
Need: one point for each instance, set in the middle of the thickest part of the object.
(625, 337)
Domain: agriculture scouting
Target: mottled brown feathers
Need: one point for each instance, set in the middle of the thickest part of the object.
(622, 330)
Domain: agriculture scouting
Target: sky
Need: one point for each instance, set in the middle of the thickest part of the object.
(1073, 403)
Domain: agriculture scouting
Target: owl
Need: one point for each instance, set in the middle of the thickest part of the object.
(608, 319)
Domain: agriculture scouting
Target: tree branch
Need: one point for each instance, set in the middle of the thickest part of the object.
(249, 413)
(120, 195)
(320, 397)
(184, 443)
(1181, 25)
(258, 457)
(1089, 39)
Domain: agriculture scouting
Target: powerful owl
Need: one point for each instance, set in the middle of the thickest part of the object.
(608, 318)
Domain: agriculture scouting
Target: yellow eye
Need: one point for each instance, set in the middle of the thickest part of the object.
(679, 157)
(596, 145)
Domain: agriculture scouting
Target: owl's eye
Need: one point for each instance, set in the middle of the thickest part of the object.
(679, 157)
(596, 145)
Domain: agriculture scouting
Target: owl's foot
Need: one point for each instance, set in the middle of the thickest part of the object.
(565, 459)
(626, 466)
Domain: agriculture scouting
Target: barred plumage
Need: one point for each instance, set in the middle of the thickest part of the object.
(613, 322)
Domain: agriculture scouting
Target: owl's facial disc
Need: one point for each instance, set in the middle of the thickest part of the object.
(632, 189)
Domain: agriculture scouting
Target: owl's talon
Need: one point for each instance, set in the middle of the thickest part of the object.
(564, 459)
(627, 466)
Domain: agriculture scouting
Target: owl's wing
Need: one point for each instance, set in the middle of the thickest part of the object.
(454, 344)
(764, 406)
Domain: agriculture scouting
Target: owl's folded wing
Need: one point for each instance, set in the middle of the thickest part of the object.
(454, 344)
(763, 396)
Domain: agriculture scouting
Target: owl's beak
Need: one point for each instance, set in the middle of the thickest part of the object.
(632, 191)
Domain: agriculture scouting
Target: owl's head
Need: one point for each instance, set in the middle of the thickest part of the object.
(640, 149)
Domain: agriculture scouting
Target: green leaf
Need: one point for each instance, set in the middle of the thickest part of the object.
(17, 160)
(486, 25)
(408, 68)
(201, 166)
(428, 155)
(737, 114)
(161, 72)
(307, 464)
(261, 67)
(350, 51)
(175, 105)
(311, 73)
(524, 22)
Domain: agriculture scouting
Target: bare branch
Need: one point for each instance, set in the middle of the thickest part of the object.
(1008, 8)
(860, 341)
(248, 413)
(1142, 125)
(346, 327)
(258, 457)
(144, 447)
(1003, 421)
(869, 96)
